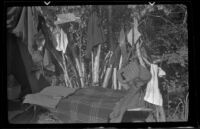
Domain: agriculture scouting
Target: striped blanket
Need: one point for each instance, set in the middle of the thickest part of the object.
(88, 105)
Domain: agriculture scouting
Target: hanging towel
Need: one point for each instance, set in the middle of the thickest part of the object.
(153, 94)
(95, 33)
(61, 40)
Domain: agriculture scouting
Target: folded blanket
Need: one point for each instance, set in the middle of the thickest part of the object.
(88, 105)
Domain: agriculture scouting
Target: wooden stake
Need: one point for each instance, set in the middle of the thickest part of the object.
(120, 65)
(66, 77)
(92, 66)
(107, 77)
(115, 78)
(79, 71)
(96, 65)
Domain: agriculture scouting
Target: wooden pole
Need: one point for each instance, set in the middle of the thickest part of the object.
(66, 76)
(92, 66)
(79, 71)
(115, 78)
(109, 69)
(120, 65)
(96, 65)
(107, 76)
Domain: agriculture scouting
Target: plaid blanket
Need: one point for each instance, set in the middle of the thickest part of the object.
(88, 105)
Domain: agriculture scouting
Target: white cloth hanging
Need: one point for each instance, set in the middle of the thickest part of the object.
(62, 41)
(153, 94)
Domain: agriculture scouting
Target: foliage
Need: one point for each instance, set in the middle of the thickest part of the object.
(165, 36)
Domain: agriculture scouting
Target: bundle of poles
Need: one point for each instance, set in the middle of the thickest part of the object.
(100, 77)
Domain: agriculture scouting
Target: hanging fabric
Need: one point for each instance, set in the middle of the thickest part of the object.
(153, 94)
(95, 33)
(61, 40)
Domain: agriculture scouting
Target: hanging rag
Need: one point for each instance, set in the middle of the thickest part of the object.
(27, 27)
(95, 33)
(153, 94)
(61, 40)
